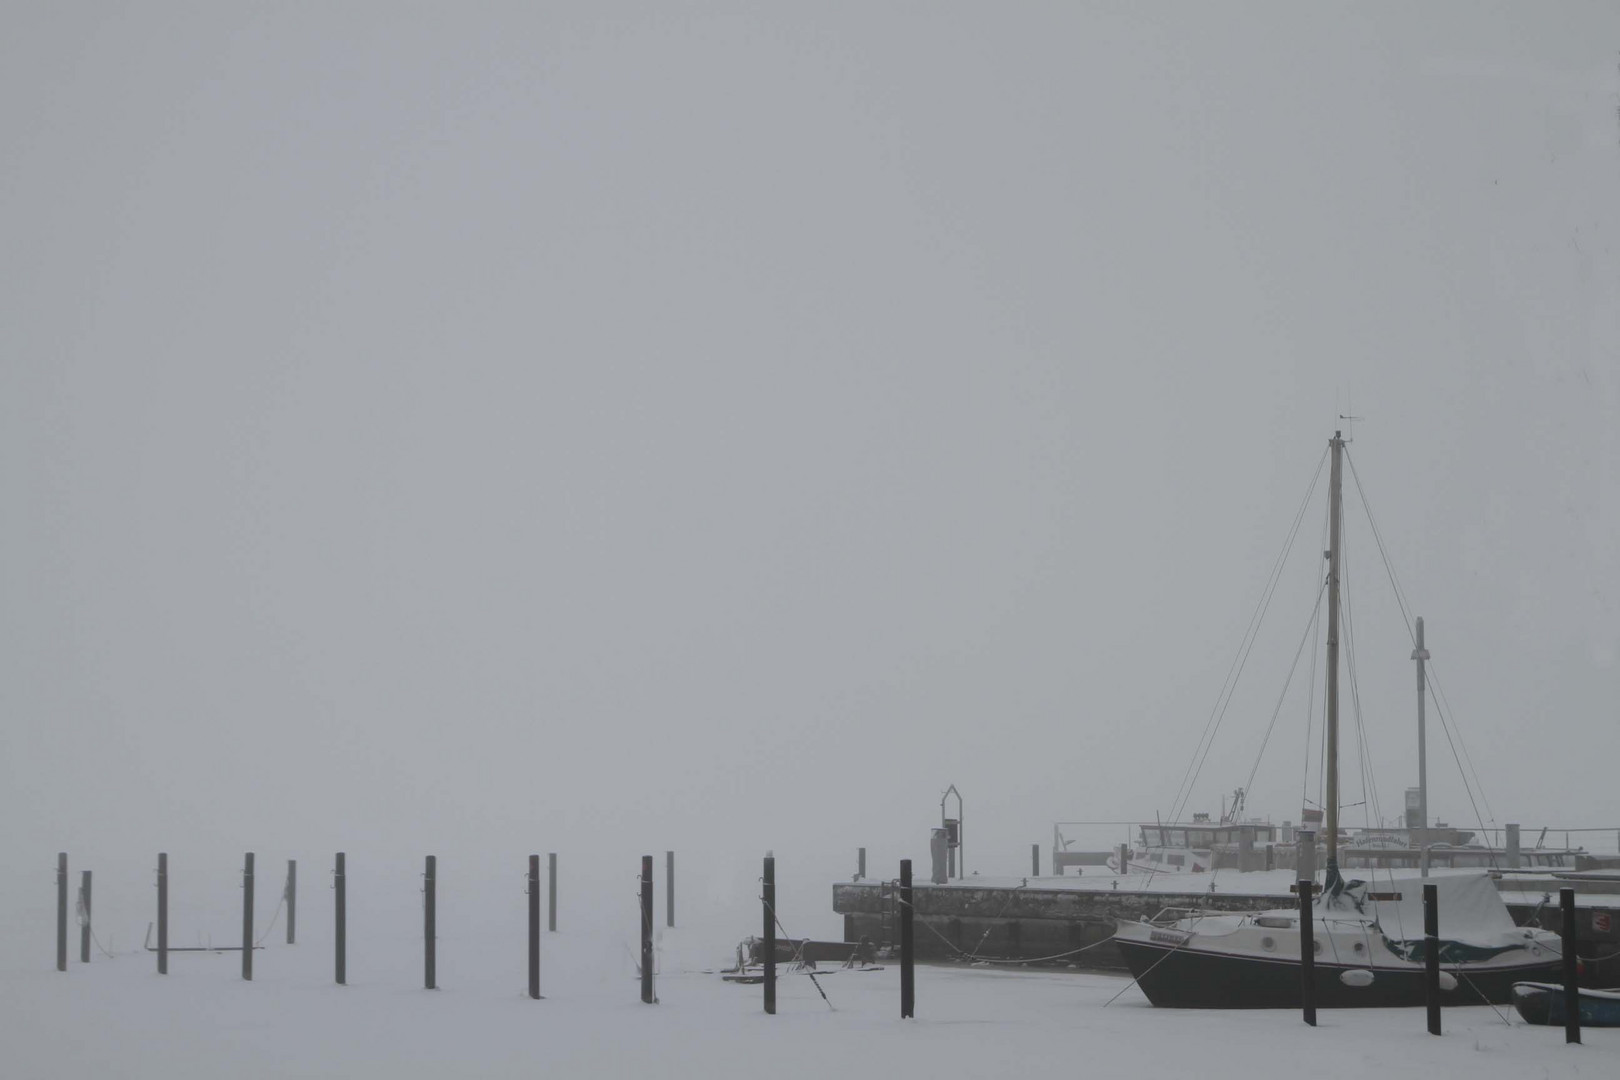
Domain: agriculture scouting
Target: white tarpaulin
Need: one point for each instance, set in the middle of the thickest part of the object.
(1471, 910)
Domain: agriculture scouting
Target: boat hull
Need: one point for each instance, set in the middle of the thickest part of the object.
(1191, 978)
(1543, 1003)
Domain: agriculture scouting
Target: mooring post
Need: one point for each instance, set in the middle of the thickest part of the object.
(61, 910)
(247, 916)
(646, 930)
(163, 913)
(1431, 955)
(340, 957)
(84, 927)
(551, 895)
(669, 888)
(860, 863)
(908, 959)
(1034, 860)
(534, 927)
(290, 894)
(1572, 990)
(1124, 858)
(767, 893)
(430, 932)
(1307, 951)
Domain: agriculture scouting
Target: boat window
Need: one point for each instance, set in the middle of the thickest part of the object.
(1176, 860)
(1178, 838)
(1202, 838)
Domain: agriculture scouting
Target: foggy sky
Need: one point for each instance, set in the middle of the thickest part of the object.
(721, 427)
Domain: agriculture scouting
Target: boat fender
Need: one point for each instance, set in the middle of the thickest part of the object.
(1357, 977)
(1448, 981)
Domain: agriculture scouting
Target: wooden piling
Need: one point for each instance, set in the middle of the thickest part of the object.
(291, 896)
(1307, 952)
(669, 888)
(551, 892)
(84, 927)
(1431, 955)
(1572, 991)
(534, 927)
(908, 958)
(646, 930)
(61, 910)
(430, 923)
(340, 958)
(247, 916)
(163, 913)
(767, 894)
(1034, 860)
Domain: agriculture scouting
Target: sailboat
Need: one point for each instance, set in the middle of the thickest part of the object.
(1369, 947)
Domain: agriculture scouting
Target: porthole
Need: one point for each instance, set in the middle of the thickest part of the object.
(1317, 946)
(1268, 943)
(1360, 947)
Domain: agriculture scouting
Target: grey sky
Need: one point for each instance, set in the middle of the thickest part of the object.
(433, 425)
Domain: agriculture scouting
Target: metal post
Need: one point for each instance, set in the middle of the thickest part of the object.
(1307, 951)
(908, 959)
(1431, 955)
(768, 903)
(1034, 860)
(163, 913)
(1572, 991)
(646, 930)
(340, 967)
(1420, 654)
(84, 929)
(61, 910)
(1124, 858)
(551, 894)
(247, 916)
(534, 927)
(291, 896)
(1514, 858)
(860, 863)
(669, 888)
(430, 920)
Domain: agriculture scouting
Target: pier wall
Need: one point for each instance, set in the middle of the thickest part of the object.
(1039, 925)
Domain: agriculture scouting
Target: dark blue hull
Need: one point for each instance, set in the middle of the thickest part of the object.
(1543, 1003)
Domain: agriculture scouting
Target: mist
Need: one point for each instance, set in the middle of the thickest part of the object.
(492, 429)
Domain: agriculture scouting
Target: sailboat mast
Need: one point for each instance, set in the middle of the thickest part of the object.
(1421, 654)
(1335, 516)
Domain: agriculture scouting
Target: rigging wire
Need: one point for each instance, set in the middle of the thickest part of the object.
(1248, 784)
(1369, 783)
(1310, 697)
(1223, 700)
(1442, 706)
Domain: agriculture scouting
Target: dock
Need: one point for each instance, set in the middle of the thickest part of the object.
(1068, 921)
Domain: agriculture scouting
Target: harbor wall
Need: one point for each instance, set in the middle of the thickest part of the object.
(1060, 926)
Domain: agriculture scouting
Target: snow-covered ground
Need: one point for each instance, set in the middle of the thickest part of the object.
(118, 1018)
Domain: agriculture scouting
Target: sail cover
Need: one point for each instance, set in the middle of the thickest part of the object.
(1474, 922)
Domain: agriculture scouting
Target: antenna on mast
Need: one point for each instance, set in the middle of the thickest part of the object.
(1350, 425)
